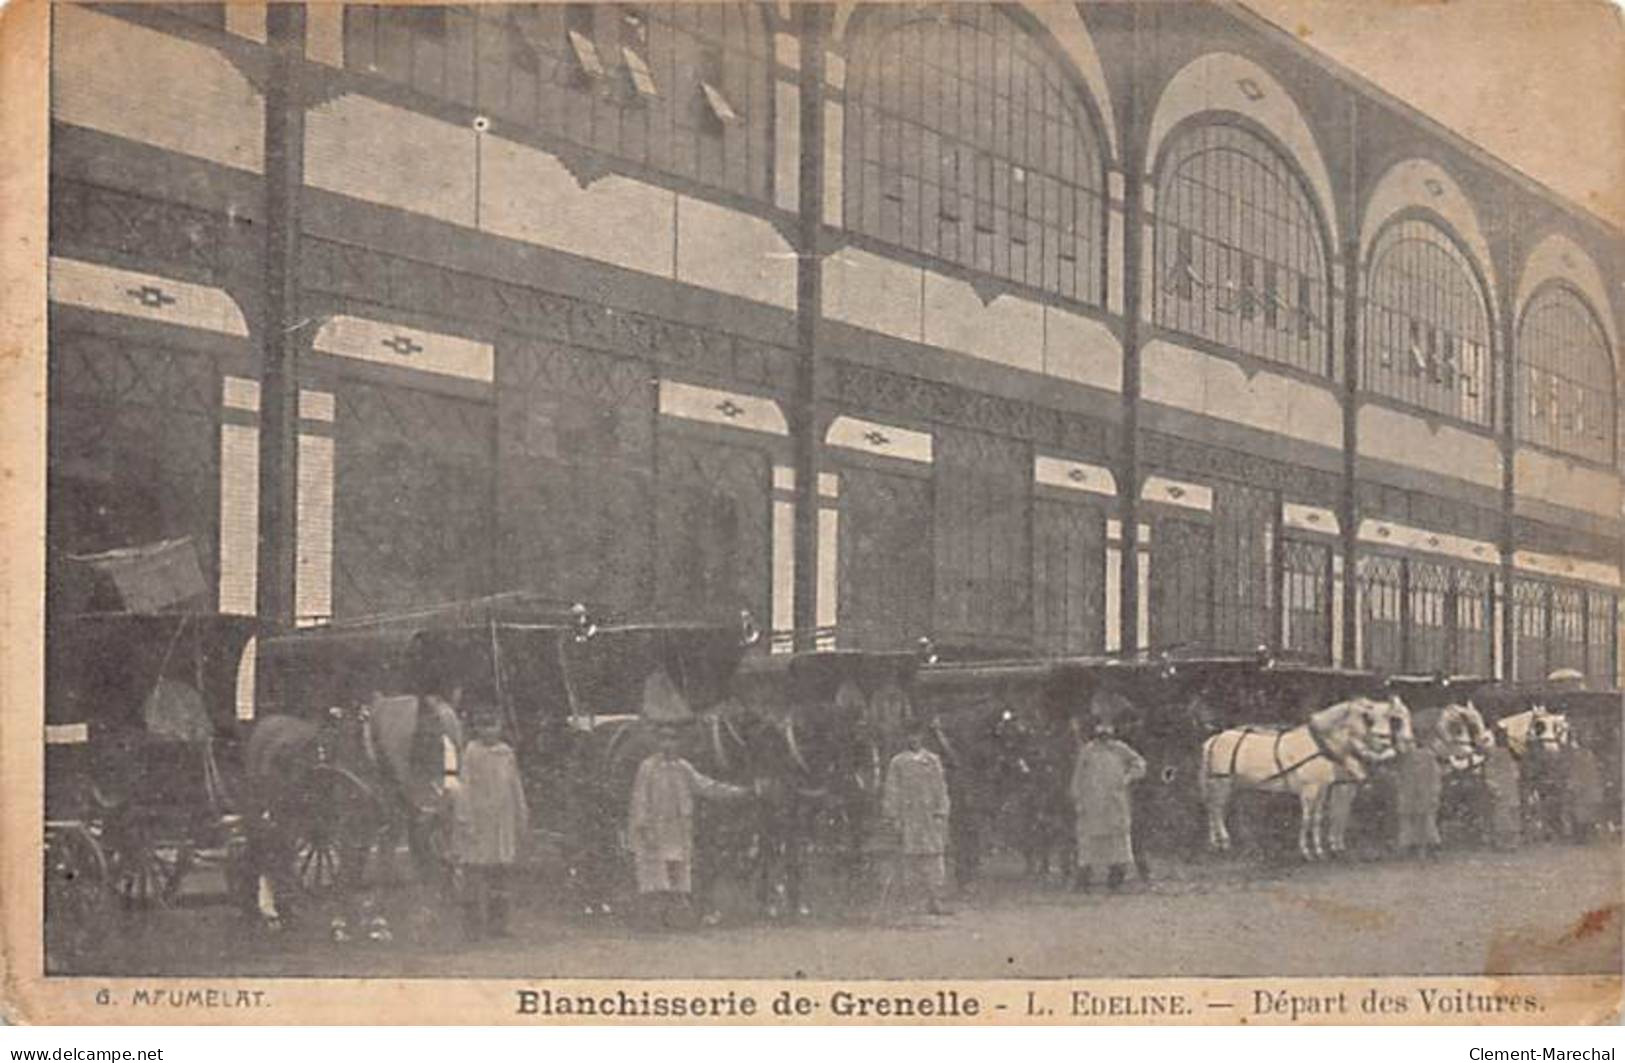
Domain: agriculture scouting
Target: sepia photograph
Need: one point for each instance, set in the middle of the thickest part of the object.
(901, 497)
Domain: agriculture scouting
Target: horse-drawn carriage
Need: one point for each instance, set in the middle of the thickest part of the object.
(1541, 721)
(1029, 717)
(140, 730)
(359, 724)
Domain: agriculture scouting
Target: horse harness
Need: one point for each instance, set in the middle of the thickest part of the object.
(1282, 769)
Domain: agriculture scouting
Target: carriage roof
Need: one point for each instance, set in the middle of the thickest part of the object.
(548, 665)
(1508, 699)
(102, 667)
(814, 677)
(1433, 691)
(1144, 674)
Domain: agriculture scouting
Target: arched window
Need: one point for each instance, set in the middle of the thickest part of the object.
(1240, 256)
(1565, 397)
(678, 87)
(966, 142)
(1426, 325)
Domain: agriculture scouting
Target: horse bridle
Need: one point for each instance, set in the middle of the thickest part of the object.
(941, 736)
(716, 742)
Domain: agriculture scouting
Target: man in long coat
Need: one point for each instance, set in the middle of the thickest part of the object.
(1105, 770)
(915, 802)
(1582, 791)
(1503, 793)
(1418, 785)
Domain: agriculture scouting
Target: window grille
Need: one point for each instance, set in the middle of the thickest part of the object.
(1529, 624)
(965, 142)
(1602, 628)
(1181, 584)
(1306, 592)
(1243, 549)
(1426, 329)
(982, 485)
(1240, 259)
(1565, 375)
(682, 88)
(1069, 577)
(1472, 653)
(1381, 581)
(1566, 643)
(1431, 587)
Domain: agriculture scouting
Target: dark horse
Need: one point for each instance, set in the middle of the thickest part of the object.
(321, 797)
(1041, 747)
(996, 766)
(820, 767)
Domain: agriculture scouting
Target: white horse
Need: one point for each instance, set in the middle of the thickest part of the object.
(1537, 738)
(1536, 726)
(1336, 744)
(1456, 734)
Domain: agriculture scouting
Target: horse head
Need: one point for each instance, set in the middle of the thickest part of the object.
(1014, 743)
(1385, 729)
(836, 744)
(1362, 731)
(1200, 716)
(1455, 734)
(1535, 730)
(344, 734)
(1550, 730)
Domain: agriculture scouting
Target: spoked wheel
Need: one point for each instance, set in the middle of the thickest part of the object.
(318, 860)
(342, 824)
(147, 870)
(76, 893)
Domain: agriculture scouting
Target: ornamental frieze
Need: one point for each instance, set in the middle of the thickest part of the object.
(382, 279)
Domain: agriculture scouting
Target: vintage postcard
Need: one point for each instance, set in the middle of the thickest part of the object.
(812, 513)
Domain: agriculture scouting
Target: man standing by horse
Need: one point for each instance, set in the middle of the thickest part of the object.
(1418, 787)
(1106, 768)
(1503, 794)
(1582, 790)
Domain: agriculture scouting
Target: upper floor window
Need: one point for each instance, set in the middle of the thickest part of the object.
(1240, 257)
(1565, 381)
(679, 87)
(1426, 326)
(966, 142)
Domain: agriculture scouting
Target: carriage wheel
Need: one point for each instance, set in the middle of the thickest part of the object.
(76, 893)
(318, 860)
(146, 869)
(150, 876)
(342, 823)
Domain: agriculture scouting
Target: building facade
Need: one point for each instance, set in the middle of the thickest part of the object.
(1030, 329)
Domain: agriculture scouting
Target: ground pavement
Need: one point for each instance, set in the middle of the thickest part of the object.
(1550, 908)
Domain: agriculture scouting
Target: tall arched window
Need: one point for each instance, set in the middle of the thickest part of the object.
(1240, 255)
(678, 87)
(1426, 325)
(1565, 397)
(966, 142)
